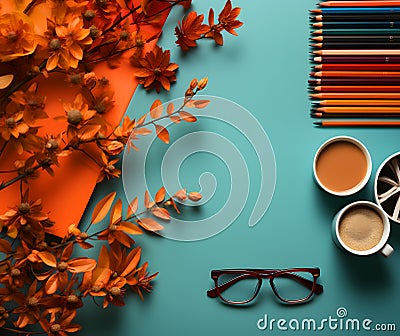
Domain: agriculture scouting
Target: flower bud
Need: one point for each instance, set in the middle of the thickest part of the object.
(202, 83)
(193, 83)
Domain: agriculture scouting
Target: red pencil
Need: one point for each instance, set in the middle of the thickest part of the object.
(364, 3)
(358, 74)
(356, 95)
(357, 88)
(355, 123)
(357, 66)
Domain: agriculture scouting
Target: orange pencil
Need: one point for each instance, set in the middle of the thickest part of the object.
(357, 88)
(355, 123)
(356, 74)
(364, 3)
(357, 102)
(355, 95)
(357, 52)
(359, 109)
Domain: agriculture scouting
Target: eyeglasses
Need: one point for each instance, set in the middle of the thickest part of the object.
(241, 286)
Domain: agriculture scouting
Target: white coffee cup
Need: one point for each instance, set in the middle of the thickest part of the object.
(365, 152)
(382, 246)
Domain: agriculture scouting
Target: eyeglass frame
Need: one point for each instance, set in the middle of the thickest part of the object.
(260, 274)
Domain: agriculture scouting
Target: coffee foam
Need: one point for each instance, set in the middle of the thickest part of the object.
(361, 228)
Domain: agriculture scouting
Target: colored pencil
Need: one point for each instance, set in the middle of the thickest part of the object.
(355, 52)
(356, 17)
(358, 59)
(390, 3)
(359, 109)
(356, 32)
(356, 45)
(355, 123)
(356, 88)
(356, 10)
(355, 95)
(357, 38)
(355, 81)
(358, 102)
(357, 25)
(358, 74)
(321, 115)
(355, 66)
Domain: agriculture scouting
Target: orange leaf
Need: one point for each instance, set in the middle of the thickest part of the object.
(141, 119)
(88, 132)
(201, 103)
(104, 259)
(132, 260)
(132, 208)
(48, 258)
(6, 80)
(67, 251)
(188, 117)
(102, 208)
(195, 196)
(161, 213)
(52, 284)
(181, 195)
(116, 212)
(170, 108)
(129, 228)
(81, 265)
(160, 195)
(142, 131)
(175, 119)
(150, 224)
(103, 277)
(146, 199)
(162, 133)
(156, 109)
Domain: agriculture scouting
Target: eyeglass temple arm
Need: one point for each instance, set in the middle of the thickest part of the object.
(318, 289)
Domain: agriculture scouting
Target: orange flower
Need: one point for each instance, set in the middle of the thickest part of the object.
(118, 229)
(17, 37)
(66, 48)
(190, 30)
(154, 69)
(227, 18)
(32, 104)
(59, 280)
(108, 168)
(26, 217)
(61, 326)
(78, 115)
(12, 124)
(29, 309)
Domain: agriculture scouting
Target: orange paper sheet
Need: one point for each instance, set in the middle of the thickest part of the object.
(65, 196)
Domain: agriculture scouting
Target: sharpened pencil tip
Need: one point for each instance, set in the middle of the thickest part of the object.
(317, 123)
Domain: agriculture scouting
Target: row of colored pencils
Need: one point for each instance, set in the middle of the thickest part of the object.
(356, 63)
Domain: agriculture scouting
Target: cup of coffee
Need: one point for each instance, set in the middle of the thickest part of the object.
(362, 228)
(342, 166)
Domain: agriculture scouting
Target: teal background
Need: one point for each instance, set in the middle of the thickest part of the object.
(265, 69)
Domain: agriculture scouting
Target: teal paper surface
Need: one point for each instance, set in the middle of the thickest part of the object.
(265, 69)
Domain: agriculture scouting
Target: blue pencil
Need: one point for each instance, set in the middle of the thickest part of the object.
(356, 10)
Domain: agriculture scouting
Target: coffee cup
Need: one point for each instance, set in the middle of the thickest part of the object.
(362, 228)
(342, 166)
